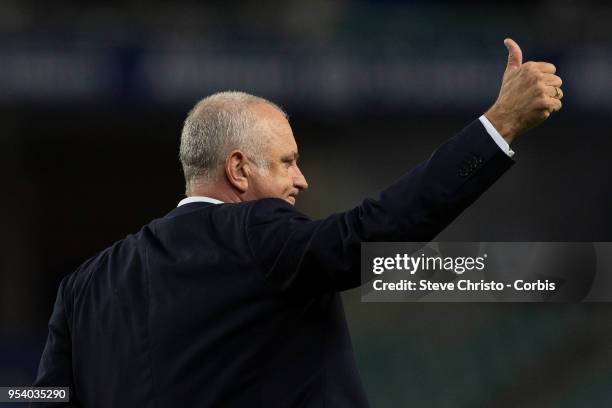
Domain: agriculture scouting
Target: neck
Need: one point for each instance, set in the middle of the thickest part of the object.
(214, 190)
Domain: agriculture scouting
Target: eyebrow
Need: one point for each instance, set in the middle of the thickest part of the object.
(292, 156)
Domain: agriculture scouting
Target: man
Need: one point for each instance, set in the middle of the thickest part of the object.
(231, 300)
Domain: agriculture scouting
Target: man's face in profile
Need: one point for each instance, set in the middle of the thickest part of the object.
(283, 179)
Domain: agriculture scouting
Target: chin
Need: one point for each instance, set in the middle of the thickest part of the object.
(290, 200)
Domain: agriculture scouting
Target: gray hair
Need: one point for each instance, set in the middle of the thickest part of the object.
(217, 124)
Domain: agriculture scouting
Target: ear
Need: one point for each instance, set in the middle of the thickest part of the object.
(237, 170)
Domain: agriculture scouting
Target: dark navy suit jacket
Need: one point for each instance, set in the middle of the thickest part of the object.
(237, 305)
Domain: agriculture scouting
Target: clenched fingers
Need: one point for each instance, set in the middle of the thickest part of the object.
(553, 105)
(545, 67)
(552, 80)
(556, 105)
(554, 92)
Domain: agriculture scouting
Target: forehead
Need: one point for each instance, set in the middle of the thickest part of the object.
(278, 135)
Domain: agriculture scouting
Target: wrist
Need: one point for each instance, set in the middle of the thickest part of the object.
(503, 126)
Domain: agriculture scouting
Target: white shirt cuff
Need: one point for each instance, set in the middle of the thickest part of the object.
(497, 138)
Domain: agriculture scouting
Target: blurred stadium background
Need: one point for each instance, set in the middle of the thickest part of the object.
(92, 98)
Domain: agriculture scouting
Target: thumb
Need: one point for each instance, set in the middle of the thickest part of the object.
(515, 55)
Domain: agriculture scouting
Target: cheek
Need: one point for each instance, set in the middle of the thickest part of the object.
(271, 186)
(262, 186)
(288, 183)
(281, 182)
(282, 185)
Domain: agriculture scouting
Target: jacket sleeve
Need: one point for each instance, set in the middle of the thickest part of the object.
(55, 368)
(299, 254)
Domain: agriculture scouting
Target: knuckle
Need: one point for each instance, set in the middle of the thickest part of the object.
(538, 76)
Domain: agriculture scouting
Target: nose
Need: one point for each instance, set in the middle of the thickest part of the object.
(299, 181)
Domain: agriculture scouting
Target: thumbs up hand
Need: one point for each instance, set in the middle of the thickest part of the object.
(529, 93)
